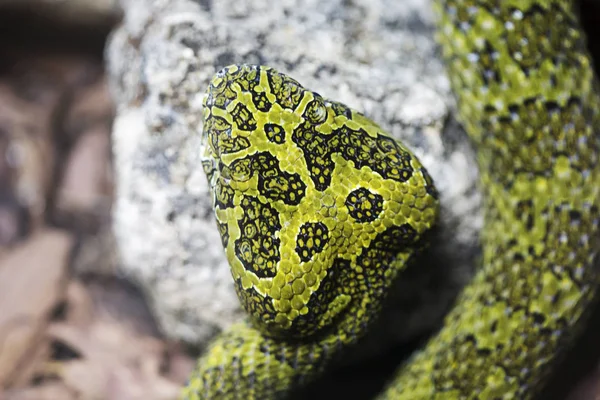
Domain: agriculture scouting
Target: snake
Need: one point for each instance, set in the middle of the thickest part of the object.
(320, 211)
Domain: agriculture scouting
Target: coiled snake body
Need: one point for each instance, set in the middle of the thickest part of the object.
(320, 211)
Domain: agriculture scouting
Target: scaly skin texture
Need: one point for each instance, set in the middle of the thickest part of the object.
(530, 103)
(320, 211)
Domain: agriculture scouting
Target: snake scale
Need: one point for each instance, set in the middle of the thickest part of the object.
(320, 211)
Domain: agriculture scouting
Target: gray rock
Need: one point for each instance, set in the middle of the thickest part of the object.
(377, 56)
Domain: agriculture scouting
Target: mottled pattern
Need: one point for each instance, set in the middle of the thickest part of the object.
(344, 206)
(311, 239)
(364, 206)
(257, 246)
(530, 103)
(354, 144)
(319, 211)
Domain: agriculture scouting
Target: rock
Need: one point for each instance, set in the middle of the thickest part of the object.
(378, 57)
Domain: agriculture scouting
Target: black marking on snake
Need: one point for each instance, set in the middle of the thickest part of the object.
(258, 247)
(375, 259)
(518, 257)
(317, 154)
(273, 183)
(220, 96)
(288, 92)
(249, 79)
(220, 132)
(552, 107)
(243, 118)
(209, 169)
(364, 205)
(528, 52)
(518, 278)
(490, 70)
(275, 133)
(311, 239)
(429, 185)
(339, 109)
(524, 212)
(259, 307)
(575, 216)
(381, 154)
(276, 184)
(281, 356)
(265, 348)
(559, 139)
(315, 112)
(261, 101)
(223, 195)
(365, 277)
(339, 276)
(224, 232)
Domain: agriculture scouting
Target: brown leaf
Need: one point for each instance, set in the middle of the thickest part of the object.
(120, 355)
(115, 364)
(85, 184)
(80, 310)
(32, 282)
(27, 152)
(50, 391)
(33, 364)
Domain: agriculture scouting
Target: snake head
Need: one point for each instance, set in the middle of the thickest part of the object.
(317, 207)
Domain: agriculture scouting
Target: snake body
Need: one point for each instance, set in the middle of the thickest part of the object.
(320, 211)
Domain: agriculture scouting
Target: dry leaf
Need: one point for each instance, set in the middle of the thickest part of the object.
(118, 359)
(50, 391)
(32, 282)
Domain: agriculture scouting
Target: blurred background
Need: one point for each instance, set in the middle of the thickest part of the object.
(72, 325)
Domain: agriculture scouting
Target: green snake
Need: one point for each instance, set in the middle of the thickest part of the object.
(320, 211)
